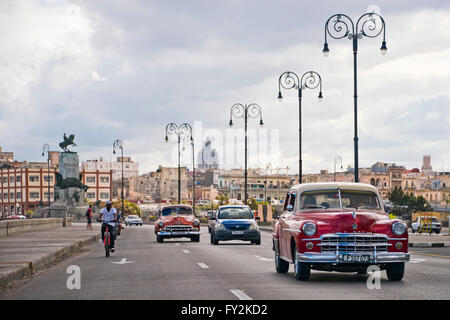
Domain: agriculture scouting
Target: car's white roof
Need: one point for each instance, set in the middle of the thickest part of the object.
(299, 188)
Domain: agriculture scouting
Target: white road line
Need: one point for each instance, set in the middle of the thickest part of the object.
(186, 251)
(416, 260)
(259, 258)
(177, 244)
(240, 294)
(202, 265)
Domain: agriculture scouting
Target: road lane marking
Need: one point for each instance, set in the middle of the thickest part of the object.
(431, 255)
(186, 251)
(177, 244)
(259, 258)
(417, 260)
(202, 265)
(240, 294)
(123, 261)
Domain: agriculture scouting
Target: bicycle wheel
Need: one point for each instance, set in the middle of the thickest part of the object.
(107, 243)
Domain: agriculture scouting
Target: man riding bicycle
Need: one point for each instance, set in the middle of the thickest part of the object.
(108, 217)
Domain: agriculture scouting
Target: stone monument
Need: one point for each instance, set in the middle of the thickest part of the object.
(69, 190)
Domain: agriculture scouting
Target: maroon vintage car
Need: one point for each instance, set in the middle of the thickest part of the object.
(177, 221)
(338, 227)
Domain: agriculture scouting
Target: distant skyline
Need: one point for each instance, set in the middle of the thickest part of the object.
(106, 70)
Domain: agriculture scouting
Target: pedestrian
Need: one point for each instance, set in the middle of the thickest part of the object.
(89, 217)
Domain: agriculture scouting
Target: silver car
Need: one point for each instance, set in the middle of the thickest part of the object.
(132, 219)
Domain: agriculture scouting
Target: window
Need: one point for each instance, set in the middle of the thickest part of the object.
(104, 195)
(19, 195)
(11, 179)
(104, 179)
(176, 210)
(46, 195)
(18, 178)
(5, 179)
(235, 213)
(46, 178)
(90, 195)
(34, 178)
(90, 179)
(34, 195)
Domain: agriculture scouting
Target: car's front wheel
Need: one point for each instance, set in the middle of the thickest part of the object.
(159, 239)
(195, 239)
(395, 271)
(281, 265)
(302, 270)
(214, 241)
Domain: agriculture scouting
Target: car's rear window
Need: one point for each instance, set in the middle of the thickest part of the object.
(133, 217)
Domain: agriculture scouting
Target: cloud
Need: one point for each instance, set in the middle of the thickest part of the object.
(105, 70)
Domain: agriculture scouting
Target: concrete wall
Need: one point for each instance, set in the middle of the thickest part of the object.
(8, 227)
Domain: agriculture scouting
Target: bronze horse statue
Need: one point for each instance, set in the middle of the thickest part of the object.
(67, 142)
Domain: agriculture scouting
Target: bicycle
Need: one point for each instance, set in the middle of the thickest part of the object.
(107, 238)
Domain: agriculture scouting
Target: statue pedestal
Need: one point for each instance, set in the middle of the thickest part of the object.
(69, 165)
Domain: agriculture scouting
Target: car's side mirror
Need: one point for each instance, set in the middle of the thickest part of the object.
(290, 207)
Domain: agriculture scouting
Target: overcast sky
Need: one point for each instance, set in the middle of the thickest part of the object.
(106, 70)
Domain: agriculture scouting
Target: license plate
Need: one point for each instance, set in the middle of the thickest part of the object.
(237, 232)
(356, 258)
(178, 232)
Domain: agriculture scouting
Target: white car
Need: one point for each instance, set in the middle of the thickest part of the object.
(435, 225)
(132, 219)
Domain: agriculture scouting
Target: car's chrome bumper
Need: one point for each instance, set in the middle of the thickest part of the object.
(375, 258)
(178, 233)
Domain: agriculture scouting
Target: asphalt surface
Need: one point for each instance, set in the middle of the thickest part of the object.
(179, 269)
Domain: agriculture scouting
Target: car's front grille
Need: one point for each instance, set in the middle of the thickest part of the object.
(354, 243)
(181, 227)
(238, 227)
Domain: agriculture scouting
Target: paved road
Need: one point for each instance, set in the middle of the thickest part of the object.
(179, 269)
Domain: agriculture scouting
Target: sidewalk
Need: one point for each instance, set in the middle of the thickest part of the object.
(24, 254)
(423, 240)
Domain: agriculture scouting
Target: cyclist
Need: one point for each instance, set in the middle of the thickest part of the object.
(108, 216)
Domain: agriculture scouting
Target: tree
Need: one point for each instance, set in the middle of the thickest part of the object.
(223, 200)
(253, 204)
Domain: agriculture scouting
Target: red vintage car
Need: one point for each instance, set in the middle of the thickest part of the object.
(177, 221)
(338, 227)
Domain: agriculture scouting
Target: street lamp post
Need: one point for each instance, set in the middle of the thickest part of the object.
(337, 158)
(239, 110)
(119, 145)
(368, 25)
(183, 130)
(190, 140)
(290, 80)
(44, 148)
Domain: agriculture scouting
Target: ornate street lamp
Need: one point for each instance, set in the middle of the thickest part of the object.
(252, 110)
(183, 130)
(336, 159)
(46, 148)
(190, 140)
(368, 25)
(117, 144)
(290, 80)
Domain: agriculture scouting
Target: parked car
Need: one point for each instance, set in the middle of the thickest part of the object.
(133, 219)
(338, 227)
(203, 202)
(16, 217)
(422, 223)
(235, 223)
(211, 220)
(177, 221)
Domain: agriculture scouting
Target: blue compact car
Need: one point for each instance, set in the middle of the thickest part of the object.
(235, 223)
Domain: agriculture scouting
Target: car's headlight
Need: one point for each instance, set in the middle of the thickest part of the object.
(219, 226)
(160, 223)
(398, 228)
(196, 223)
(254, 226)
(309, 228)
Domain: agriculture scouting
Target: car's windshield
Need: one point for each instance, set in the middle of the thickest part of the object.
(349, 199)
(176, 210)
(133, 217)
(235, 213)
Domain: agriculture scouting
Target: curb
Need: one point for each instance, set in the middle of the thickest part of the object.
(29, 268)
(428, 245)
